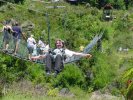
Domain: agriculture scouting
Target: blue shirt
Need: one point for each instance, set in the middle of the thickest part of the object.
(17, 32)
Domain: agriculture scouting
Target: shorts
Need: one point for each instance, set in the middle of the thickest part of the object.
(16, 40)
(6, 40)
(30, 49)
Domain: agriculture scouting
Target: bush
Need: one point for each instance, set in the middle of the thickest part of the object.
(103, 71)
(70, 76)
(123, 40)
(36, 74)
(16, 1)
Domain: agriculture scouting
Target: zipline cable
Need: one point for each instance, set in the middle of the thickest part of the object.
(48, 24)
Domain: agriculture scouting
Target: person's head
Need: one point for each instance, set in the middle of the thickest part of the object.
(59, 43)
(7, 22)
(16, 23)
(32, 35)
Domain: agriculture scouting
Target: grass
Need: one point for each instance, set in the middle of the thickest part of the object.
(80, 95)
(23, 97)
(77, 17)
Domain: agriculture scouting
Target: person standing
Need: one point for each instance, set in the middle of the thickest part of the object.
(16, 36)
(31, 45)
(7, 29)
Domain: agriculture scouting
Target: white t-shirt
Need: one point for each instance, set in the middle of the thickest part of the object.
(69, 53)
(41, 44)
(31, 42)
(46, 48)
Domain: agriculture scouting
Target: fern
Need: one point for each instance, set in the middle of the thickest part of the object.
(128, 74)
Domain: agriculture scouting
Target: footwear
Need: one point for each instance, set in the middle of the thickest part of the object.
(47, 73)
(55, 73)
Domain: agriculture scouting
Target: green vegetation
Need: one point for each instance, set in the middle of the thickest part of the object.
(76, 25)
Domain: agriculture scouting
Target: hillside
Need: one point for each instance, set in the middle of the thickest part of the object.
(104, 75)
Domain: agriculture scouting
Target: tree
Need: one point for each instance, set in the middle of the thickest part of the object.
(12, 1)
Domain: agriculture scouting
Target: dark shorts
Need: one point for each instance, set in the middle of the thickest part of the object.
(6, 40)
(30, 49)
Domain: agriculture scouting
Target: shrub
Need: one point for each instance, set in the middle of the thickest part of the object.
(103, 71)
(35, 74)
(70, 76)
(123, 40)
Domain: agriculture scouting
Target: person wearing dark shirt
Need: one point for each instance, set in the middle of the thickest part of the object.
(16, 36)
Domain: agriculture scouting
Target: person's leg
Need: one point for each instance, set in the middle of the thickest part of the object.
(16, 46)
(6, 44)
(49, 62)
(30, 50)
(14, 42)
(58, 63)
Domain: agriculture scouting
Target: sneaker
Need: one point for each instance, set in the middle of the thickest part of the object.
(47, 73)
(55, 73)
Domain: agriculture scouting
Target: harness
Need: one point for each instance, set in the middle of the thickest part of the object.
(61, 52)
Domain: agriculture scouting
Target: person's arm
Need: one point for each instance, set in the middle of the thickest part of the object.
(72, 53)
(10, 29)
(82, 54)
(34, 41)
(38, 57)
(2, 29)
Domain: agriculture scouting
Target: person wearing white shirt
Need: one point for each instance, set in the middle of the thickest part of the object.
(56, 58)
(31, 45)
(42, 47)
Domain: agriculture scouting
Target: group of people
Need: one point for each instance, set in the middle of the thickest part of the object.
(36, 50)
(9, 30)
(14, 32)
(54, 59)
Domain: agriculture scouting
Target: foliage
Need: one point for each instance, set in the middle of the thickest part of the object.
(70, 76)
(35, 73)
(118, 4)
(128, 74)
(124, 23)
(53, 92)
(119, 40)
(129, 93)
(14, 1)
(103, 71)
(127, 77)
(76, 25)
